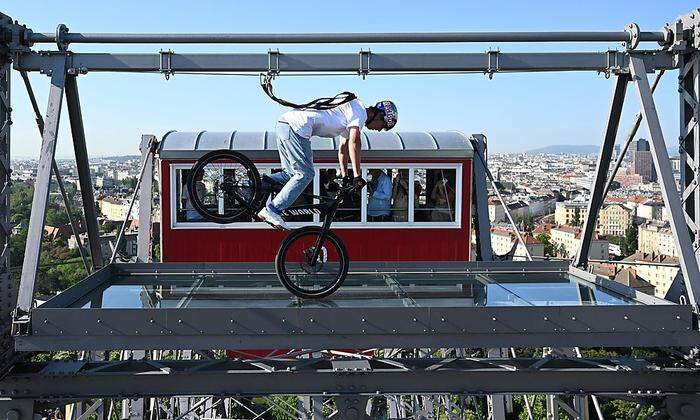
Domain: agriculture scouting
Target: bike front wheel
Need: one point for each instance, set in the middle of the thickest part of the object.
(308, 277)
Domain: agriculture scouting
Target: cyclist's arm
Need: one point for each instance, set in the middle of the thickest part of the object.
(354, 146)
(343, 156)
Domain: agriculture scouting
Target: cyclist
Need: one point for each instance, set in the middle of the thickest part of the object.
(294, 130)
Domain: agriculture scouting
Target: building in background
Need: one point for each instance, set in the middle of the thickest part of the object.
(570, 212)
(676, 164)
(661, 276)
(642, 161)
(496, 213)
(115, 209)
(569, 238)
(623, 275)
(614, 219)
(655, 237)
(503, 240)
(104, 182)
(651, 209)
(542, 205)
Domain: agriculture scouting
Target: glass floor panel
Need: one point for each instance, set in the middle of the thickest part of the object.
(241, 290)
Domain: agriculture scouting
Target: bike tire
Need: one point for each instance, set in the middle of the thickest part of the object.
(236, 158)
(311, 293)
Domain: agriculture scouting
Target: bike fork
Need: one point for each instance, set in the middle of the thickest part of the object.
(324, 231)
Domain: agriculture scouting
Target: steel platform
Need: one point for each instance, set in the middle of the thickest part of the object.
(233, 306)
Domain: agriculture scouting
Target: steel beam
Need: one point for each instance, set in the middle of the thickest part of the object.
(465, 376)
(57, 173)
(479, 157)
(496, 402)
(611, 61)
(662, 163)
(83, 165)
(604, 157)
(480, 196)
(343, 38)
(145, 164)
(8, 289)
(689, 143)
(382, 327)
(40, 200)
(145, 235)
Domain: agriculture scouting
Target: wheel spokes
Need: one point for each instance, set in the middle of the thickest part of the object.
(312, 275)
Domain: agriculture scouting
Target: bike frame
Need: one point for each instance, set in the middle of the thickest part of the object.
(326, 208)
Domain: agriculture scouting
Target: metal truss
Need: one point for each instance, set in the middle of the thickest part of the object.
(346, 376)
(8, 289)
(689, 138)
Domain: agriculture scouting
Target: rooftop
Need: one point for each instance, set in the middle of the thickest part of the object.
(189, 144)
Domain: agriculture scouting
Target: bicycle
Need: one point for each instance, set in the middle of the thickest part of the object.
(225, 186)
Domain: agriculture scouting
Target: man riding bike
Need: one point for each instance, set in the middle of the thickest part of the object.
(294, 130)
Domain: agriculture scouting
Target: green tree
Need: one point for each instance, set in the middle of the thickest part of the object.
(629, 245)
(129, 183)
(526, 222)
(156, 252)
(21, 203)
(549, 246)
(56, 216)
(576, 220)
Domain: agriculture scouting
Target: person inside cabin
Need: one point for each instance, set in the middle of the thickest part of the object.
(379, 204)
(417, 206)
(443, 197)
(399, 197)
(294, 131)
(192, 215)
(329, 186)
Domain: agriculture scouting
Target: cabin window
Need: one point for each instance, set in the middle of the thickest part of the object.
(330, 181)
(398, 195)
(387, 195)
(435, 192)
(185, 211)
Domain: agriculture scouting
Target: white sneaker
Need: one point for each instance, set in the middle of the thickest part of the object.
(272, 218)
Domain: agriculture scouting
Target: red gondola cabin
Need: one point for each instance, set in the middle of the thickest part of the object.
(425, 218)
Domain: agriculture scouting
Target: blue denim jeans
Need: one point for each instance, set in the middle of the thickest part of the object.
(297, 167)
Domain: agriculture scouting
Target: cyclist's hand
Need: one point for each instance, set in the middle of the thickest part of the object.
(358, 183)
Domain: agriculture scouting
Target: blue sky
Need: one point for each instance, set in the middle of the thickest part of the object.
(516, 111)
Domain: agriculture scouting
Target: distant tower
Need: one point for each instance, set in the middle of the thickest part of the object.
(642, 162)
(633, 147)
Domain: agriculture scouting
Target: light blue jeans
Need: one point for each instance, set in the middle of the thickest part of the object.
(297, 160)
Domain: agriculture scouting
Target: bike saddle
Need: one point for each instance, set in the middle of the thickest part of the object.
(271, 184)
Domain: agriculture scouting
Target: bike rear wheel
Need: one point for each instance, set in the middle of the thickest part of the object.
(224, 186)
(306, 278)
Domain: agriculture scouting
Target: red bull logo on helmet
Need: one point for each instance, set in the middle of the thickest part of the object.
(391, 114)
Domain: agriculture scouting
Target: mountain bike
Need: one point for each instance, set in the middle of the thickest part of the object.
(224, 186)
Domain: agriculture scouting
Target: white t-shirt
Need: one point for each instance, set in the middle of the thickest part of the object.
(327, 123)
